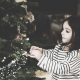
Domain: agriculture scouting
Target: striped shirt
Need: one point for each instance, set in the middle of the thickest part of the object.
(62, 65)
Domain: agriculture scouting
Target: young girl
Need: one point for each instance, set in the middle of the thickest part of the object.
(62, 62)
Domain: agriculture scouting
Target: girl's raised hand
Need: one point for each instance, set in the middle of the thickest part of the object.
(35, 52)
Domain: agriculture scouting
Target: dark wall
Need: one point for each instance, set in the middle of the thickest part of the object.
(60, 6)
(54, 6)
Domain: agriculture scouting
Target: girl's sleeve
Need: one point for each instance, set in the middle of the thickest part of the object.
(51, 65)
(71, 66)
(74, 62)
(45, 61)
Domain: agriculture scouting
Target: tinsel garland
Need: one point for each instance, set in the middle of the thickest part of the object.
(18, 66)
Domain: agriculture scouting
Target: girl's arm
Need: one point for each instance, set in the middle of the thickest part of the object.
(36, 52)
(50, 64)
(67, 67)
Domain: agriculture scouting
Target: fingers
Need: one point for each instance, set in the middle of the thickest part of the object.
(35, 52)
(28, 55)
(32, 56)
(25, 54)
(34, 48)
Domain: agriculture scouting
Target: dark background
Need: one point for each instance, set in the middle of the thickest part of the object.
(53, 6)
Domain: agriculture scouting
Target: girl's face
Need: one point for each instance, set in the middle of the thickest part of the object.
(66, 33)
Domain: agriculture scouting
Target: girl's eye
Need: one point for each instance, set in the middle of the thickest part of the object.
(67, 31)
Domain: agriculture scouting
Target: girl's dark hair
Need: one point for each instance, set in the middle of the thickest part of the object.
(74, 23)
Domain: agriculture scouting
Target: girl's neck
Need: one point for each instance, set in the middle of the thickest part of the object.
(66, 47)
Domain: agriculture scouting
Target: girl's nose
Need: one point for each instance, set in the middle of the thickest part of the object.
(62, 33)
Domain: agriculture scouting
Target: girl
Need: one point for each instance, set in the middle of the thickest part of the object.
(62, 62)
